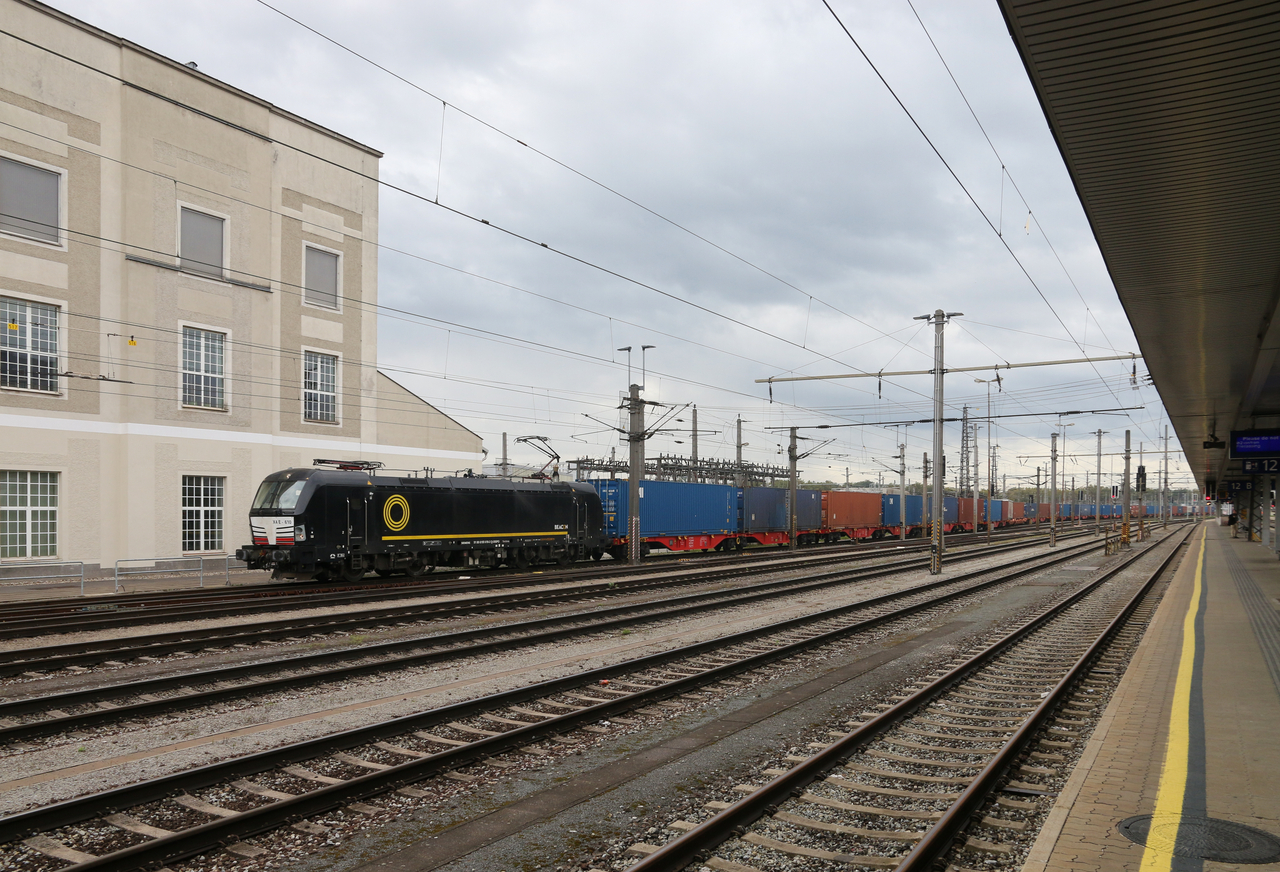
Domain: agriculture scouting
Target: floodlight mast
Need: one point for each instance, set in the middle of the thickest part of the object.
(937, 541)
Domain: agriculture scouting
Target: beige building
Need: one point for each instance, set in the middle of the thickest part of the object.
(188, 289)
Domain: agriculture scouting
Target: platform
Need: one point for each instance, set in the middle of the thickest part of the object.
(1193, 731)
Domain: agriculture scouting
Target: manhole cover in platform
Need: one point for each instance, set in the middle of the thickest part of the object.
(1202, 838)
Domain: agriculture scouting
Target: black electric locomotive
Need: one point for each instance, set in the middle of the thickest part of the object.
(341, 523)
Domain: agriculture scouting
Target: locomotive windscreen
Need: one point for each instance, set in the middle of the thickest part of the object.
(278, 494)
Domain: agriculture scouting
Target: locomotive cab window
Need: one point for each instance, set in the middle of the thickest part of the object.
(279, 494)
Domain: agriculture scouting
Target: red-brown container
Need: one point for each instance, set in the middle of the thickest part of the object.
(1042, 511)
(845, 509)
(966, 510)
(1017, 511)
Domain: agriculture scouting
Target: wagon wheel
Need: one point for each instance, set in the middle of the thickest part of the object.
(417, 568)
(520, 560)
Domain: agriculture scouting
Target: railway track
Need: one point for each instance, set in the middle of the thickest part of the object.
(44, 617)
(179, 815)
(953, 772)
(70, 711)
(80, 654)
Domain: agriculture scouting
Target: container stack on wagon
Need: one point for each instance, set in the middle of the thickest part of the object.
(684, 516)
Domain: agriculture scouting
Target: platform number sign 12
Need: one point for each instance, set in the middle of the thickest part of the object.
(1259, 467)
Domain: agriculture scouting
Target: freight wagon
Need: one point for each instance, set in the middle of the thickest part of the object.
(675, 515)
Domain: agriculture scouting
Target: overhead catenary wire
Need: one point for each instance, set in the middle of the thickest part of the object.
(426, 199)
(394, 250)
(968, 194)
(584, 176)
(513, 338)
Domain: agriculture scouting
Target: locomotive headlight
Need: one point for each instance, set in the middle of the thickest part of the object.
(301, 535)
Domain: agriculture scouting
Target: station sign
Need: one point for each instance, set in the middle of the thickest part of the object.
(1259, 467)
(1237, 484)
(1255, 444)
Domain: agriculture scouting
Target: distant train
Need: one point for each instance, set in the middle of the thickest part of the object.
(682, 516)
(343, 523)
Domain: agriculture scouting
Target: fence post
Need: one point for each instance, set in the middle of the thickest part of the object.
(228, 561)
(117, 579)
(201, 559)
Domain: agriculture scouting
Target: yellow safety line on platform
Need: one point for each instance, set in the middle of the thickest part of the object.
(1157, 856)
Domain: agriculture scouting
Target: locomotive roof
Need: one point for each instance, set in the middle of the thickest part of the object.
(357, 477)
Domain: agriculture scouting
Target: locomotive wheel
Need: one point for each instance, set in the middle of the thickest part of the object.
(350, 574)
(417, 569)
(597, 555)
(520, 560)
(385, 573)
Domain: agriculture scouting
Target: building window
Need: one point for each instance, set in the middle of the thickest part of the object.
(29, 201)
(28, 345)
(202, 512)
(320, 386)
(200, 249)
(203, 364)
(28, 514)
(321, 283)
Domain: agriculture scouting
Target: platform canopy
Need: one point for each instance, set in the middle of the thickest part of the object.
(1168, 117)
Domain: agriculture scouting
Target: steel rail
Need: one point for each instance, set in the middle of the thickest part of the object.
(79, 653)
(189, 842)
(447, 646)
(434, 581)
(152, 606)
(697, 844)
(91, 619)
(939, 837)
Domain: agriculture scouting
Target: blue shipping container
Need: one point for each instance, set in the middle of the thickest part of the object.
(808, 509)
(950, 510)
(996, 507)
(889, 510)
(764, 510)
(670, 508)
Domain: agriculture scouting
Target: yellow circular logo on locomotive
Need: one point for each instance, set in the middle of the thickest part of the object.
(389, 513)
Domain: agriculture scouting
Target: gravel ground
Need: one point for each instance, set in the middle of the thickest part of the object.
(431, 687)
(382, 696)
(1050, 750)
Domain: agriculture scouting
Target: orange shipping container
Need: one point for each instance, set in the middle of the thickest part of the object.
(1017, 511)
(845, 509)
(966, 511)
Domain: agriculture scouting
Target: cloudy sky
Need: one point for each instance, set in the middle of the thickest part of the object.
(730, 182)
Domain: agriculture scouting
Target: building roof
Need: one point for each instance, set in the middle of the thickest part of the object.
(1168, 115)
(186, 70)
